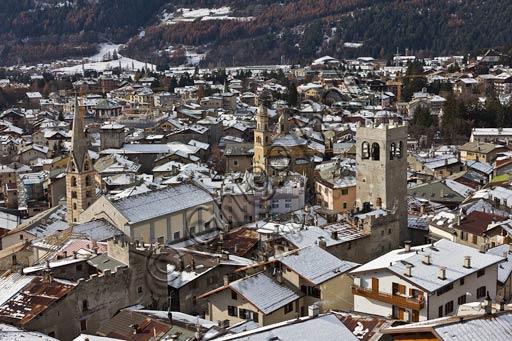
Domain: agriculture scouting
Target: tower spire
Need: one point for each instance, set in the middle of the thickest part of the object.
(79, 145)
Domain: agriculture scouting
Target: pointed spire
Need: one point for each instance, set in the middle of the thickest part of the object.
(79, 145)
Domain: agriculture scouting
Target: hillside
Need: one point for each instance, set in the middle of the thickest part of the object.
(223, 32)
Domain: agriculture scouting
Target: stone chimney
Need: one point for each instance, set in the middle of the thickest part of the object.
(442, 273)
(334, 235)
(426, 259)
(467, 262)
(407, 246)
(408, 270)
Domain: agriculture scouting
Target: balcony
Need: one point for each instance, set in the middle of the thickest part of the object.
(397, 300)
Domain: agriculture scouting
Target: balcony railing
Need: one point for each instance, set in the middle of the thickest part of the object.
(398, 300)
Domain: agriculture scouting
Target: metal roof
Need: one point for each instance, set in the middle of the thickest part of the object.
(315, 264)
(161, 202)
(264, 292)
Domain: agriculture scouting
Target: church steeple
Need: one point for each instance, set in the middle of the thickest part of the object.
(80, 185)
(262, 141)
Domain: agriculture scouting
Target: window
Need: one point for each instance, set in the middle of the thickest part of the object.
(232, 311)
(461, 300)
(176, 235)
(475, 239)
(440, 311)
(480, 292)
(444, 289)
(74, 205)
(87, 181)
(21, 237)
(311, 291)
(139, 290)
(51, 334)
(288, 308)
(448, 308)
(235, 163)
(480, 273)
(464, 235)
(79, 267)
(392, 151)
(85, 305)
(375, 151)
(73, 181)
(365, 150)
(399, 150)
(83, 325)
(344, 205)
(234, 296)
(461, 282)
(73, 195)
(389, 231)
(344, 191)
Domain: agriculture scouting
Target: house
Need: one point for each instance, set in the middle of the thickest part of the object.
(335, 189)
(495, 135)
(163, 215)
(424, 282)
(193, 273)
(322, 277)
(239, 156)
(259, 297)
(480, 151)
(326, 327)
(475, 327)
(504, 271)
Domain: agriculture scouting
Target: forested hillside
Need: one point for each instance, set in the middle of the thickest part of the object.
(270, 32)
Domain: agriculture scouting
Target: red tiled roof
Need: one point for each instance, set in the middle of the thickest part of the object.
(476, 222)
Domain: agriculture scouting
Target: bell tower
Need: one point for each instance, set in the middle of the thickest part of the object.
(381, 169)
(262, 140)
(80, 183)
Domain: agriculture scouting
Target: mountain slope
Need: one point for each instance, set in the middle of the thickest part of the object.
(249, 31)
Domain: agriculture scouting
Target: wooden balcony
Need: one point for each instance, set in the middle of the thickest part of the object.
(400, 301)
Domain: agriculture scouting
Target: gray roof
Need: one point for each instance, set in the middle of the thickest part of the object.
(443, 253)
(103, 262)
(325, 327)
(161, 202)
(494, 328)
(315, 264)
(264, 292)
(99, 230)
(505, 267)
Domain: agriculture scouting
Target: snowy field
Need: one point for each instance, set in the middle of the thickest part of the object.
(96, 62)
(203, 14)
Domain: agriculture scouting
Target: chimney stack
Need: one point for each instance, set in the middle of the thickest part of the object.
(467, 262)
(426, 259)
(226, 279)
(334, 235)
(442, 273)
(407, 246)
(408, 270)
(65, 254)
(75, 254)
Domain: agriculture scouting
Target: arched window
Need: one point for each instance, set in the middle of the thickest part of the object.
(392, 151)
(87, 181)
(375, 151)
(73, 181)
(86, 166)
(258, 140)
(365, 150)
(399, 150)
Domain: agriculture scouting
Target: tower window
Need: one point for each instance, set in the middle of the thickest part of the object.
(375, 152)
(73, 194)
(392, 151)
(73, 181)
(365, 150)
(399, 150)
(87, 181)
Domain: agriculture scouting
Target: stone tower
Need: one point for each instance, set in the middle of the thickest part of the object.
(262, 140)
(80, 183)
(111, 136)
(381, 169)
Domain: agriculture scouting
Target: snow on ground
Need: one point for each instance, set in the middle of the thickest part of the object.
(123, 62)
(104, 49)
(203, 14)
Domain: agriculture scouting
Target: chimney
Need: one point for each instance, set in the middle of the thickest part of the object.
(95, 249)
(426, 259)
(65, 254)
(505, 255)
(483, 248)
(279, 277)
(408, 270)
(334, 235)
(225, 255)
(75, 253)
(322, 243)
(313, 310)
(467, 262)
(226, 279)
(488, 304)
(442, 273)
(407, 246)
(193, 263)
